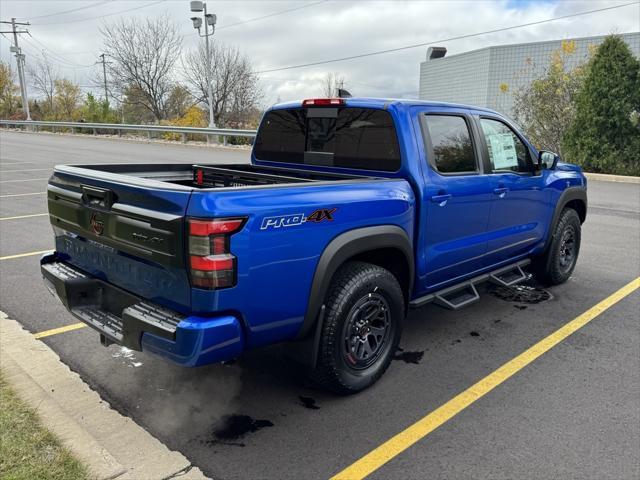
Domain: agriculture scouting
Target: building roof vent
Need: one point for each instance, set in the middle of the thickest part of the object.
(436, 52)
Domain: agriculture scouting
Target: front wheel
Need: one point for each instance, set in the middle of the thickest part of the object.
(361, 329)
(558, 262)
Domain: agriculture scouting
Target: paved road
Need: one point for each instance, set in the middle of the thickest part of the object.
(573, 413)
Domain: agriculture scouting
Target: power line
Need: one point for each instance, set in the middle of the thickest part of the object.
(104, 15)
(56, 57)
(274, 14)
(72, 10)
(86, 52)
(431, 42)
(36, 53)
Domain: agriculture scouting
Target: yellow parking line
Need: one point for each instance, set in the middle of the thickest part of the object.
(55, 331)
(23, 180)
(22, 194)
(24, 216)
(423, 427)
(28, 254)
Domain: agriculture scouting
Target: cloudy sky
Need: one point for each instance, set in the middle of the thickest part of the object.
(277, 34)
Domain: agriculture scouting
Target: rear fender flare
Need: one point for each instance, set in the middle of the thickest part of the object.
(341, 249)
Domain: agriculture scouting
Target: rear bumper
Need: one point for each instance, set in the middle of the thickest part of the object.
(123, 318)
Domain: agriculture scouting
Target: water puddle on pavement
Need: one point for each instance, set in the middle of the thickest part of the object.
(409, 357)
(308, 402)
(234, 427)
(526, 294)
(127, 356)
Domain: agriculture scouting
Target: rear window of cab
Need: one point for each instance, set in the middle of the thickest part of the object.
(356, 138)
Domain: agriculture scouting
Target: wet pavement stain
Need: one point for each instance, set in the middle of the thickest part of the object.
(234, 427)
(474, 334)
(308, 402)
(409, 357)
(520, 294)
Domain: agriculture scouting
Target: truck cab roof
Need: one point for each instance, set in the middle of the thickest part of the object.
(372, 102)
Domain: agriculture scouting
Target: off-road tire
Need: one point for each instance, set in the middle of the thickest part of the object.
(556, 265)
(355, 287)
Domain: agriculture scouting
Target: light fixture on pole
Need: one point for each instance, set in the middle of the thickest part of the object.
(209, 21)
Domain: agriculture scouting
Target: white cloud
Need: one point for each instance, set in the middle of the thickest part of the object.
(327, 30)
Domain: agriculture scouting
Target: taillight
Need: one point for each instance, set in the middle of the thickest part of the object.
(211, 263)
(322, 102)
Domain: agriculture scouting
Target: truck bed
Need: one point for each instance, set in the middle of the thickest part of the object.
(202, 176)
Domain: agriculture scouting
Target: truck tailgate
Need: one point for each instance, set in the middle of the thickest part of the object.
(127, 233)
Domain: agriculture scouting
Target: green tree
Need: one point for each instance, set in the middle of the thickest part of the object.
(178, 102)
(97, 111)
(546, 108)
(604, 135)
(135, 110)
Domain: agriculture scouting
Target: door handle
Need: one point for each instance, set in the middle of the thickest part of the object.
(501, 191)
(441, 199)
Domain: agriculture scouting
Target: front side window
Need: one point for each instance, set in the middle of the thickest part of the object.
(506, 150)
(358, 138)
(451, 141)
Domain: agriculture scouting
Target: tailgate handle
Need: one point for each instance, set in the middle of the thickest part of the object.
(97, 197)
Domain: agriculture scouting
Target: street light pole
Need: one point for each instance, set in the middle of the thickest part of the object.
(209, 20)
(212, 121)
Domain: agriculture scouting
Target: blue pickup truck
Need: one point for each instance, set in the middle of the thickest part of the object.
(351, 212)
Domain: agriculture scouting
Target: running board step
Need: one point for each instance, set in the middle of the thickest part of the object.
(457, 297)
(508, 278)
(465, 293)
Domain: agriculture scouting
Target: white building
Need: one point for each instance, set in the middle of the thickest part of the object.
(489, 76)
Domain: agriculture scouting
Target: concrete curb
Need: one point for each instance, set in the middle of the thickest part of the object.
(111, 445)
(612, 178)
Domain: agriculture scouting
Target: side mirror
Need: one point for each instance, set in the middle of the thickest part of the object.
(547, 160)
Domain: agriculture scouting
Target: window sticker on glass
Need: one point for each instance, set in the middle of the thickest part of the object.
(506, 150)
(502, 149)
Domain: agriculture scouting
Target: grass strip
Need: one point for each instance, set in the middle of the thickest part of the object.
(28, 451)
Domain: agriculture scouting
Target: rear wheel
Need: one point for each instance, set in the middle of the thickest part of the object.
(361, 329)
(557, 264)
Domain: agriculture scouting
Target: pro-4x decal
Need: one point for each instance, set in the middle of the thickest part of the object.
(320, 215)
(291, 220)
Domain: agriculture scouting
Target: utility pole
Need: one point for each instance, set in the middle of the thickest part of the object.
(104, 72)
(20, 63)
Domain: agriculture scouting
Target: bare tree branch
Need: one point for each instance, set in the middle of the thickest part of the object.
(236, 90)
(331, 84)
(142, 55)
(43, 79)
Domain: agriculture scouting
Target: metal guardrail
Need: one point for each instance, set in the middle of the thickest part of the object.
(120, 127)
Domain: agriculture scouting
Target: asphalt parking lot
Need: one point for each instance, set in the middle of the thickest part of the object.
(572, 413)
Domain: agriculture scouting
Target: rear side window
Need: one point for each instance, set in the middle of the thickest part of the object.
(451, 141)
(358, 138)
